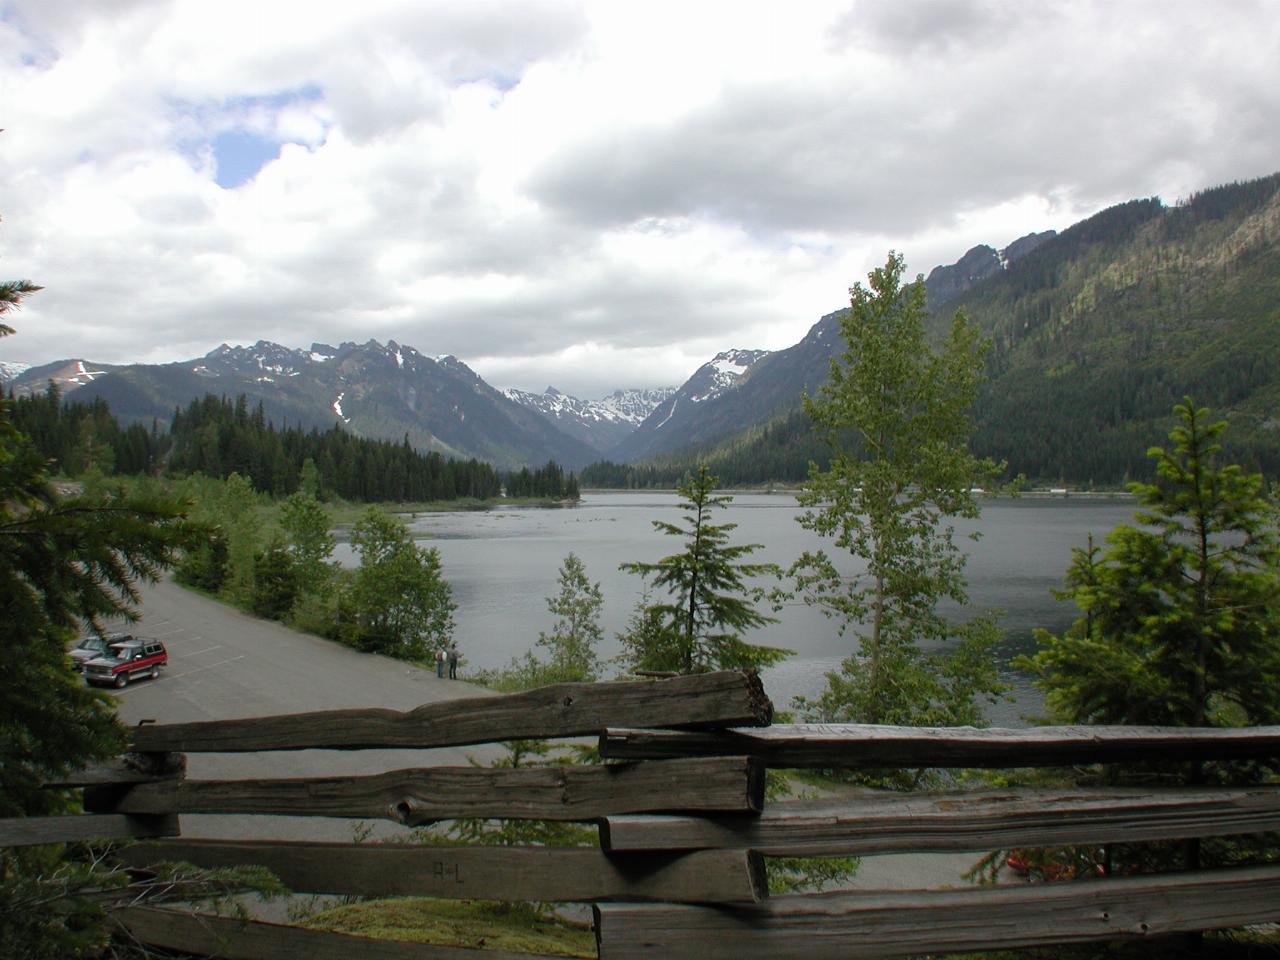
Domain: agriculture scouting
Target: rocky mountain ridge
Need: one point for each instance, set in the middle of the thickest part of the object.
(601, 424)
(11, 370)
(679, 419)
(946, 282)
(385, 391)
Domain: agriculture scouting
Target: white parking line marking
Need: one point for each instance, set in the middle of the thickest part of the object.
(187, 673)
(168, 633)
(216, 646)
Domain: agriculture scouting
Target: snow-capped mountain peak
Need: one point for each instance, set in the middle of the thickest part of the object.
(266, 359)
(601, 423)
(12, 369)
(621, 406)
(720, 373)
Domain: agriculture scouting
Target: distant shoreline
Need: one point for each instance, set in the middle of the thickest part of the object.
(1038, 493)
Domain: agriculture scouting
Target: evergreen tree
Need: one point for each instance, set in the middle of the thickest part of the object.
(277, 582)
(66, 563)
(1181, 614)
(204, 566)
(1180, 622)
(12, 293)
(711, 602)
(893, 412)
(648, 643)
(217, 437)
(547, 482)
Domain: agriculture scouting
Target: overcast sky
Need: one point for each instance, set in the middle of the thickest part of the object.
(590, 195)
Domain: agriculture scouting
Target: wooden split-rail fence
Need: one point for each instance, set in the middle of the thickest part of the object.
(683, 826)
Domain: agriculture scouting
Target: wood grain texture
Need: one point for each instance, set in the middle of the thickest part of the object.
(232, 939)
(413, 797)
(862, 745)
(879, 823)
(31, 831)
(912, 923)
(727, 698)
(126, 768)
(581, 874)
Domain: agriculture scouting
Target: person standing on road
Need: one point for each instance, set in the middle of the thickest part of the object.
(453, 661)
(440, 663)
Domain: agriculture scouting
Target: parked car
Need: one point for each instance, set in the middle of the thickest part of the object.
(127, 660)
(90, 648)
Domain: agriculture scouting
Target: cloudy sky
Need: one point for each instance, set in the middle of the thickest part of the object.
(584, 194)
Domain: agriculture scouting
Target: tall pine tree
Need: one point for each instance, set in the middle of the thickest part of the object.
(711, 601)
(1180, 616)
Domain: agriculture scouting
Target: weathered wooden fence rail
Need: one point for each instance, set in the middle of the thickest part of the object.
(683, 826)
(823, 745)
(932, 823)
(909, 923)
(715, 700)
(563, 874)
(415, 797)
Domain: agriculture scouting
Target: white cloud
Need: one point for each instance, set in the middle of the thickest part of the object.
(590, 195)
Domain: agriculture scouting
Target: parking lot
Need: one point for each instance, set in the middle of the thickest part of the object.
(224, 664)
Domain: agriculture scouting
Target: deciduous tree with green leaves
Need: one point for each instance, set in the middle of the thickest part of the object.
(711, 600)
(307, 528)
(571, 643)
(893, 412)
(576, 632)
(399, 601)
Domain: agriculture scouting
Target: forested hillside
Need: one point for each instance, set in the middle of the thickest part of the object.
(1099, 332)
(216, 437)
(779, 450)
(77, 437)
(1096, 334)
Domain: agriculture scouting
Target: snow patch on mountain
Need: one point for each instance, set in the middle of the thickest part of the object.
(264, 356)
(12, 369)
(84, 375)
(620, 407)
(633, 406)
(720, 373)
(337, 408)
(670, 413)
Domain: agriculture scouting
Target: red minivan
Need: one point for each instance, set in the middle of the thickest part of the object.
(128, 660)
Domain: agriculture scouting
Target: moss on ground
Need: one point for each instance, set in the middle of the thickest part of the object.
(461, 923)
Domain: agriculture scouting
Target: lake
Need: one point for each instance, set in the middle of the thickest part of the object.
(504, 563)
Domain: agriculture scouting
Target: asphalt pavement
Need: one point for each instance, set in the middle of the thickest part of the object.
(225, 664)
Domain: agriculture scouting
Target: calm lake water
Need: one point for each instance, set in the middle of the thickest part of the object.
(503, 563)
